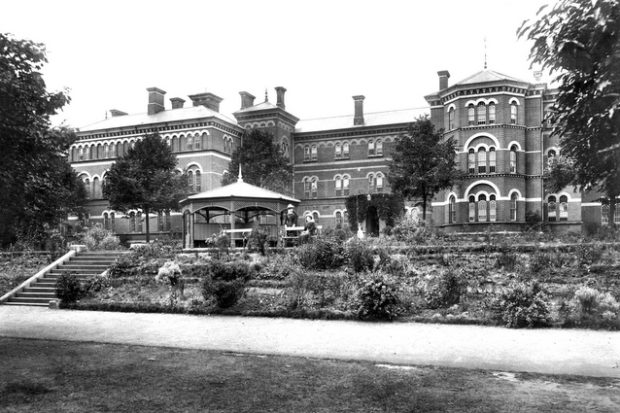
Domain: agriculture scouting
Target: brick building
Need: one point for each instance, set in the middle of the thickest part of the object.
(497, 122)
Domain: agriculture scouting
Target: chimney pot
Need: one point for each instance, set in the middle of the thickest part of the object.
(444, 75)
(156, 100)
(247, 99)
(177, 103)
(280, 90)
(208, 100)
(358, 118)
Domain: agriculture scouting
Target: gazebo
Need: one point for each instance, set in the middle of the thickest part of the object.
(234, 209)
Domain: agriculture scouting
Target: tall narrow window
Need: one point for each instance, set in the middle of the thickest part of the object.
(552, 209)
(338, 219)
(197, 181)
(139, 222)
(471, 161)
(345, 150)
(492, 208)
(379, 182)
(160, 221)
(379, 147)
(482, 161)
(492, 159)
(513, 206)
(492, 113)
(81, 154)
(112, 222)
(482, 208)
(513, 113)
(513, 159)
(482, 114)
(563, 208)
(471, 115)
(197, 143)
(106, 149)
(87, 187)
(338, 186)
(451, 119)
(313, 153)
(96, 188)
(132, 221)
(472, 209)
(345, 185)
(189, 142)
(371, 147)
(338, 151)
(174, 144)
(314, 187)
(190, 179)
(316, 217)
(371, 182)
(452, 210)
(307, 187)
(106, 221)
(550, 157)
(306, 153)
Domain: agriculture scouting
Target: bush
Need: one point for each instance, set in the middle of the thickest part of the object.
(97, 283)
(321, 254)
(540, 262)
(225, 281)
(592, 308)
(588, 254)
(507, 260)
(310, 291)
(68, 288)
(525, 306)
(377, 300)
(359, 256)
(98, 238)
(110, 242)
(125, 266)
(447, 292)
(258, 241)
(279, 267)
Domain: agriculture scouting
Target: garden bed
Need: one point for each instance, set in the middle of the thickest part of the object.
(17, 268)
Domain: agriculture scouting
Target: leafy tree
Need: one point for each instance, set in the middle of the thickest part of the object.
(145, 178)
(38, 185)
(262, 163)
(421, 164)
(579, 40)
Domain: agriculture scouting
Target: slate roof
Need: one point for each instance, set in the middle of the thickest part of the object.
(170, 115)
(260, 106)
(370, 119)
(487, 75)
(240, 189)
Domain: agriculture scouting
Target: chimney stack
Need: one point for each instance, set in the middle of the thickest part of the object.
(444, 75)
(156, 100)
(280, 94)
(247, 99)
(208, 100)
(177, 103)
(358, 119)
(116, 112)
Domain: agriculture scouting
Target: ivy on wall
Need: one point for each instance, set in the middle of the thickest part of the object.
(389, 207)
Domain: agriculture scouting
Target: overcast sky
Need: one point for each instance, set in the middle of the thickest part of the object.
(323, 52)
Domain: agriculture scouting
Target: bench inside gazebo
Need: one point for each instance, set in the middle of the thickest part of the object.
(234, 210)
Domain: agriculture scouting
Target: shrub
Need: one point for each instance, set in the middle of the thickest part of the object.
(540, 262)
(98, 238)
(125, 266)
(377, 300)
(309, 290)
(507, 260)
(279, 267)
(258, 241)
(525, 306)
(110, 242)
(225, 281)
(588, 254)
(68, 288)
(359, 256)
(592, 308)
(321, 254)
(97, 283)
(447, 292)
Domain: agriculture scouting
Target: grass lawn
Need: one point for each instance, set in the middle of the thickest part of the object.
(57, 376)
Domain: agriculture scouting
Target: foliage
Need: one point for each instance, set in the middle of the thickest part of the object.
(421, 164)
(377, 299)
(39, 187)
(221, 243)
(389, 208)
(125, 266)
(321, 254)
(307, 290)
(166, 248)
(68, 288)
(225, 281)
(145, 178)
(525, 306)
(258, 240)
(97, 238)
(359, 256)
(507, 260)
(170, 273)
(262, 163)
(588, 254)
(447, 291)
(580, 40)
(592, 308)
(279, 267)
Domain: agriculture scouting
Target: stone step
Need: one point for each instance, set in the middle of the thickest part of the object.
(39, 289)
(88, 272)
(30, 300)
(50, 295)
(26, 303)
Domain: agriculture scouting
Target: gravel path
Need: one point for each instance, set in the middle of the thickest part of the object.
(582, 352)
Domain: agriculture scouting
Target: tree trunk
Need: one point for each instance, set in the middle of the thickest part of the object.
(146, 213)
(424, 209)
(612, 210)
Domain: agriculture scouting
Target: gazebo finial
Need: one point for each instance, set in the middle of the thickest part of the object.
(240, 177)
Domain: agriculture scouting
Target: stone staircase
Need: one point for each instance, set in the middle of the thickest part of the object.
(83, 265)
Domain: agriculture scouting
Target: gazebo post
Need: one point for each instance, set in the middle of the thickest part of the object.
(232, 225)
(278, 233)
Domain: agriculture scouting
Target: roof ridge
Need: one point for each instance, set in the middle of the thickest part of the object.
(365, 113)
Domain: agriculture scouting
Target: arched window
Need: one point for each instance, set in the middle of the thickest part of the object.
(284, 148)
(313, 153)
(96, 188)
(132, 221)
(482, 114)
(471, 161)
(99, 151)
(87, 187)
(513, 206)
(106, 221)
(551, 157)
(125, 148)
(471, 115)
(451, 119)
(163, 221)
(306, 153)
(81, 154)
(316, 217)
(345, 150)
(491, 112)
(189, 142)
(552, 208)
(314, 187)
(194, 179)
(106, 151)
(371, 182)
(190, 179)
(371, 147)
(379, 182)
(197, 143)
(563, 208)
(338, 185)
(307, 187)
(492, 159)
(379, 147)
(513, 113)
(197, 181)
(338, 151)
(492, 208)
(338, 219)
(345, 185)
(174, 144)
(513, 159)
(112, 222)
(452, 210)
(482, 208)
(472, 208)
(482, 161)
